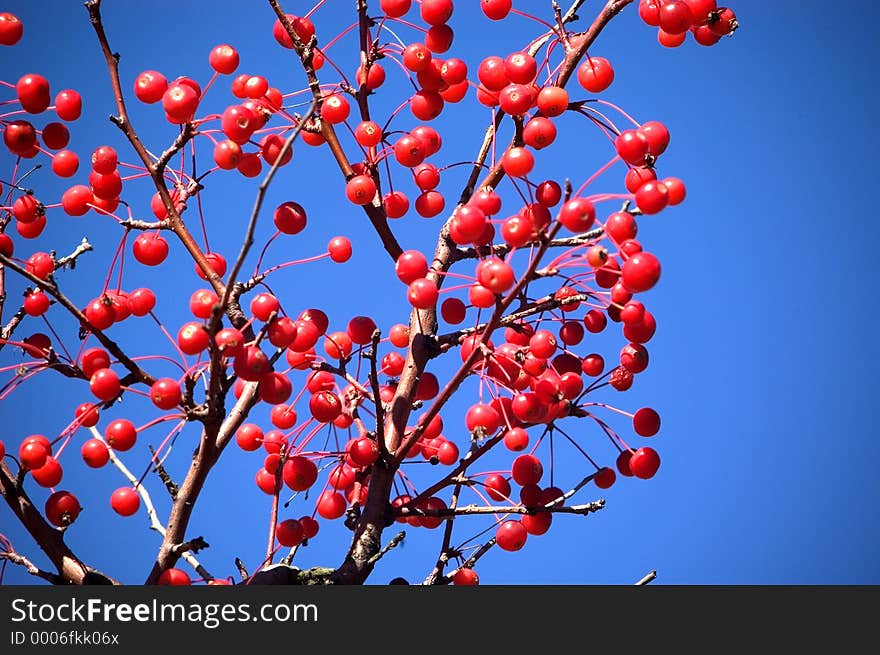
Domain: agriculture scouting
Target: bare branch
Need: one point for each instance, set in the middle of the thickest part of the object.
(248, 240)
(69, 261)
(52, 289)
(375, 210)
(399, 537)
(155, 523)
(71, 570)
(30, 567)
(469, 510)
(650, 576)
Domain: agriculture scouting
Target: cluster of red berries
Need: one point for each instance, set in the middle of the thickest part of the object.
(703, 19)
(530, 378)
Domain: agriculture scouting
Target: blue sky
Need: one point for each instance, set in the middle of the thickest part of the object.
(762, 367)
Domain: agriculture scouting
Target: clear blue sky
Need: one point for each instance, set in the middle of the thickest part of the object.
(763, 363)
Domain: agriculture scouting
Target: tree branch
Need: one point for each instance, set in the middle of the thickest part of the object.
(30, 567)
(52, 289)
(155, 523)
(375, 210)
(649, 577)
(155, 168)
(71, 570)
(469, 510)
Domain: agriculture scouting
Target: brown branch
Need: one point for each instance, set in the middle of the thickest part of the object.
(123, 122)
(375, 210)
(395, 540)
(214, 439)
(52, 289)
(502, 249)
(166, 479)
(186, 134)
(30, 567)
(582, 42)
(71, 570)
(248, 240)
(444, 555)
(68, 261)
(545, 304)
(422, 347)
(373, 356)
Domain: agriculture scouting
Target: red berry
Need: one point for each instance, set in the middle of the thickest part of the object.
(511, 535)
(368, 134)
(165, 393)
(121, 435)
(65, 164)
(339, 249)
(496, 9)
(577, 215)
(640, 272)
(125, 501)
(605, 477)
(395, 8)
(652, 197)
(360, 189)
(224, 59)
(331, 505)
(11, 29)
(94, 453)
(299, 473)
(33, 93)
(595, 74)
(465, 577)
(68, 105)
(150, 86)
(174, 578)
(104, 384)
(644, 463)
(520, 68)
(675, 190)
(517, 162)
(150, 249)
(539, 132)
(668, 40)
(492, 75)
(416, 57)
(262, 306)
(497, 487)
(141, 301)
(632, 146)
(646, 422)
(290, 218)
(180, 102)
(49, 474)
(289, 533)
(62, 507)
(527, 469)
(436, 12)
(675, 17)
(422, 293)
(726, 22)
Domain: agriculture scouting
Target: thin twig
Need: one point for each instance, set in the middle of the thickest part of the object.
(155, 523)
(391, 544)
(248, 240)
(650, 576)
(30, 567)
